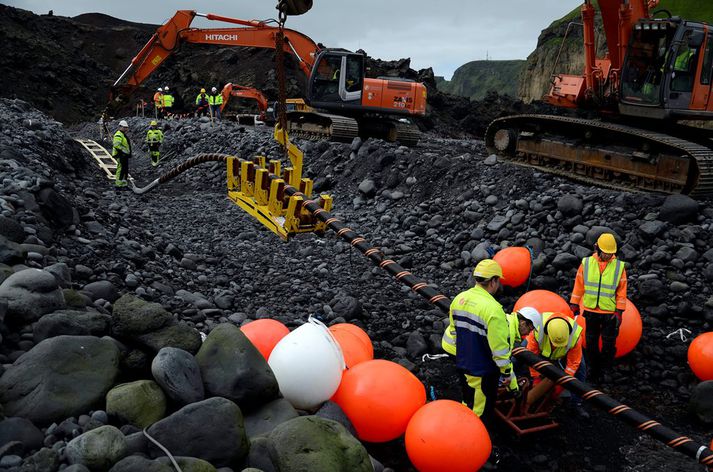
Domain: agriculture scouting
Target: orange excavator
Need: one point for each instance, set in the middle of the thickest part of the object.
(657, 72)
(348, 104)
(238, 91)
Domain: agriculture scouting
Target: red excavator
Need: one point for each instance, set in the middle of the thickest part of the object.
(238, 91)
(348, 103)
(657, 72)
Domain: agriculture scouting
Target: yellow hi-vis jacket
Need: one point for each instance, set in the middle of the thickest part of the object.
(539, 343)
(120, 144)
(215, 99)
(168, 100)
(482, 333)
(600, 287)
(448, 341)
(154, 136)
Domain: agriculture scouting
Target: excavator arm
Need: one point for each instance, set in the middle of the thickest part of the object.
(168, 37)
(240, 91)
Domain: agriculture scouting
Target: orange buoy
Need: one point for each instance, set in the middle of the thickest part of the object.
(447, 435)
(379, 397)
(700, 356)
(544, 301)
(355, 343)
(265, 334)
(516, 264)
(629, 332)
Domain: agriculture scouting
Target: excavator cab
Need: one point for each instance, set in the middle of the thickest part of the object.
(661, 76)
(337, 80)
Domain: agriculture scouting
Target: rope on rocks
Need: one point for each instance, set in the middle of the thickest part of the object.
(165, 451)
(682, 332)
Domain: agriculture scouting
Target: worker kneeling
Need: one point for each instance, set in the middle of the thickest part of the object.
(558, 340)
(154, 138)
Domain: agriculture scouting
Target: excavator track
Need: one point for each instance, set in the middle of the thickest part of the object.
(603, 153)
(407, 134)
(310, 125)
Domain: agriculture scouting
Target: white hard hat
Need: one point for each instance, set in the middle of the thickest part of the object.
(214, 89)
(160, 89)
(123, 124)
(531, 314)
(166, 88)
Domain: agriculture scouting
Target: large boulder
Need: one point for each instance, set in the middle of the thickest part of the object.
(97, 449)
(188, 464)
(60, 377)
(102, 289)
(30, 294)
(318, 445)
(21, 430)
(570, 205)
(74, 323)
(211, 429)
(11, 252)
(677, 209)
(701, 402)
(178, 335)
(178, 374)
(133, 316)
(136, 463)
(595, 231)
(56, 207)
(233, 368)
(140, 403)
(11, 229)
(267, 417)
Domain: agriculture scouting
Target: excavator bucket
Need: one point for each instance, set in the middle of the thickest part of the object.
(294, 7)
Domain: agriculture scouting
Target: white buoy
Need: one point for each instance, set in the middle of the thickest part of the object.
(308, 364)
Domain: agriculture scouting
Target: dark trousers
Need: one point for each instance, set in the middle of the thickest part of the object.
(480, 394)
(605, 325)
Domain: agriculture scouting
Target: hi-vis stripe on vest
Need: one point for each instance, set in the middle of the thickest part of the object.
(600, 288)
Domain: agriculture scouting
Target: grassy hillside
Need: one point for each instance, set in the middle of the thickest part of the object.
(476, 78)
(701, 10)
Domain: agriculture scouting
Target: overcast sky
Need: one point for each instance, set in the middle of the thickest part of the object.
(441, 34)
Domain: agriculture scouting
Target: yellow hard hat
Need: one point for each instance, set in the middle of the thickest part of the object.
(557, 329)
(153, 123)
(488, 268)
(607, 243)
(202, 90)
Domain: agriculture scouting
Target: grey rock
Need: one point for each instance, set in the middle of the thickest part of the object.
(7, 462)
(11, 252)
(11, 229)
(232, 367)
(570, 205)
(652, 229)
(78, 323)
(140, 463)
(140, 403)
(62, 273)
(77, 468)
(331, 411)
(22, 430)
(368, 188)
(491, 160)
(30, 294)
(132, 316)
(701, 402)
(497, 223)
(178, 374)
(416, 345)
(652, 289)
(178, 335)
(56, 207)
(188, 464)
(347, 307)
(687, 254)
(565, 260)
(314, 443)
(678, 209)
(60, 377)
(45, 459)
(184, 433)
(102, 289)
(596, 231)
(97, 449)
(267, 417)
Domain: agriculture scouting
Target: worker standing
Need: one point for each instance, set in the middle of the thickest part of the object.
(600, 287)
(167, 102)
(121, 150)
(216, 101)
(158, 103)
(558, 340)
(154, 138)
(482, 341)
(202, 103)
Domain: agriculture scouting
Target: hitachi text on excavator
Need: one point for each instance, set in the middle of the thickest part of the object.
(347, 103)
(657, 72)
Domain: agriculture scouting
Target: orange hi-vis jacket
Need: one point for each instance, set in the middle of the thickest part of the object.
(158, 99)
(578, 291)
(573, 354)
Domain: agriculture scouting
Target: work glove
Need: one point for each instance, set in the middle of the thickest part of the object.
(575, 309)
(618, 314)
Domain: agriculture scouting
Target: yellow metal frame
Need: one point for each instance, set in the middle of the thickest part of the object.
(252, 187)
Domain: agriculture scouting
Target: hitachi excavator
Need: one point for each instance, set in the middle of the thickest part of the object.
(657, 71)
(348, 104)
(238, 91)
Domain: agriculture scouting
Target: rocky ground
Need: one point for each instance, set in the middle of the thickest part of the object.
(126, 276)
